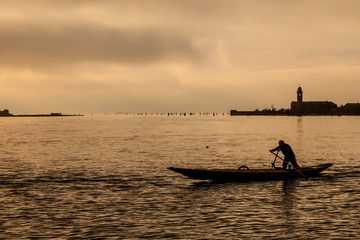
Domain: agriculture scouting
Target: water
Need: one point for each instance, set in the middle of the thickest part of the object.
(106, 177)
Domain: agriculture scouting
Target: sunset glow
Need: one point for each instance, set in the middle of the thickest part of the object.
(176, 56)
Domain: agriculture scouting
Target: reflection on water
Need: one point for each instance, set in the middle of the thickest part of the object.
(299, 124)
(107, 177)
(289, 204)
(300, 132)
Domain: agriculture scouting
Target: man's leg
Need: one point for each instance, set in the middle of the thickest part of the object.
(294, 163)
(285, 164)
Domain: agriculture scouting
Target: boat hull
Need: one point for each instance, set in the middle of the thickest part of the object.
(243, 175)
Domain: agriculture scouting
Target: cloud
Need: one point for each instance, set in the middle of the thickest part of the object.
(200, 55)
(76, 44)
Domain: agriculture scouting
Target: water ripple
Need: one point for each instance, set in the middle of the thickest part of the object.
(107, 178)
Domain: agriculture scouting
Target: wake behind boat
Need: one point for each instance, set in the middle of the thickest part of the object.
(244, 174)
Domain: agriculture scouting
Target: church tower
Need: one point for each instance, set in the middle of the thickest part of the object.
(299, 100)
(299, 95)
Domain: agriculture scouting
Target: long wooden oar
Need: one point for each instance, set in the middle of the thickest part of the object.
(276, 155)
(291, 165)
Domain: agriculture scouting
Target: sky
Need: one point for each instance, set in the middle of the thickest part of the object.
(108, 56)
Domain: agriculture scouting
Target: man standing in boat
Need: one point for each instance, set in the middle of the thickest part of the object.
(288, 153)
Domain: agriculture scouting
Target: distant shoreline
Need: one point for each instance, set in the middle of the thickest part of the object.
(44, 115)
(286, 113)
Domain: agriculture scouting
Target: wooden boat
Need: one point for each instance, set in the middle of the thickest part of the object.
(244, 174)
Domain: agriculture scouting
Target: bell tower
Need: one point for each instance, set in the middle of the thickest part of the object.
(299, 101)
(299, 95)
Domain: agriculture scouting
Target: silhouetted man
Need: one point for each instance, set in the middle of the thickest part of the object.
(288, 153)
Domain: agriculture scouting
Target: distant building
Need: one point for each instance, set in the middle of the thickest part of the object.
(5, 112)
(313, 107)
(300, 108)
(351, 109)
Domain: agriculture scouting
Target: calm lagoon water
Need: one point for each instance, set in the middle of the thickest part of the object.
(106, 177)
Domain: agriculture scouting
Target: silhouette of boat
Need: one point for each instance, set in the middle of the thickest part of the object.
(244, 174)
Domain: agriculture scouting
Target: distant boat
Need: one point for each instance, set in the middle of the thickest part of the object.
(244, 174)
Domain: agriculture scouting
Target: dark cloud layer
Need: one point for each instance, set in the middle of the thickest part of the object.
(66, 45)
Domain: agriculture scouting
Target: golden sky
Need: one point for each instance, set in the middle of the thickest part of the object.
(107, 56)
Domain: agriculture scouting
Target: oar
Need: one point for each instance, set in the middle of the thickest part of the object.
(276, 155)
(290, 164)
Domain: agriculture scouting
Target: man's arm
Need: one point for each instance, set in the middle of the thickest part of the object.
(275, 149)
